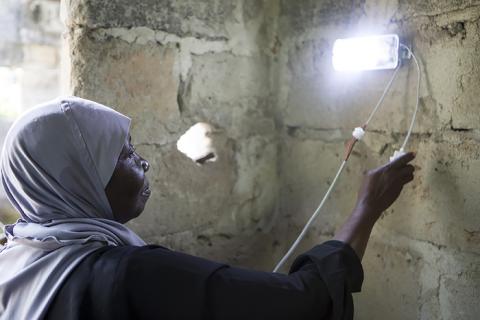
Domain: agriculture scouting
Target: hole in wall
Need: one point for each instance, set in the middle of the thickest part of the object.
(198, 144)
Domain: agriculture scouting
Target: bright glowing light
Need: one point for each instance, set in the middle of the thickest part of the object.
(366, 53)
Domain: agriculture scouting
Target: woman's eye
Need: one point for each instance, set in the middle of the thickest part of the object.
(131, 151)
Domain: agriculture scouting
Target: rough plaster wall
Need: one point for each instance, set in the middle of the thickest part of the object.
(168, 65)
(260, 72)
(423, 261)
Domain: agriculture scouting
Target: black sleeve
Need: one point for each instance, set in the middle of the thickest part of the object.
(319, 286)
(164, 284)
(245, 294)
(340, 269)
(171, 285)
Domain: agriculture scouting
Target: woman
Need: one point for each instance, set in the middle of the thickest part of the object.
(69, 168)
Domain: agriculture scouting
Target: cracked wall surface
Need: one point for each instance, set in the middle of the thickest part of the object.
(260, 72)
(169, 65)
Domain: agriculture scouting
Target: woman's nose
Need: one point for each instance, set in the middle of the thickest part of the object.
(145, 165)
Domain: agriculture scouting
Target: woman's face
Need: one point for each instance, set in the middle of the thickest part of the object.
(128, 189)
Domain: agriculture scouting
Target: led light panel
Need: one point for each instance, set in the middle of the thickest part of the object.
(366, 53)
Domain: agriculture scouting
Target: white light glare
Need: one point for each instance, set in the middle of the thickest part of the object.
(366, 53)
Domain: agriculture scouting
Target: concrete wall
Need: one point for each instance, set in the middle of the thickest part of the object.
(260, 72)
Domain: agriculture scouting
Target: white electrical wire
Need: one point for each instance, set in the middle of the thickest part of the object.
(410, 129)
(310, 221)
(342, 166)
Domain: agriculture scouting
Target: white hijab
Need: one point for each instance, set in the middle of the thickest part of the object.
(55, 164)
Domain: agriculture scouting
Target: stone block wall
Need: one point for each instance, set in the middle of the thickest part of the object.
(423, 259)
(169, 65)
(260, 72)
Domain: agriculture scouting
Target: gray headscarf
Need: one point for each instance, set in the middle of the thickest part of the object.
(55, 164)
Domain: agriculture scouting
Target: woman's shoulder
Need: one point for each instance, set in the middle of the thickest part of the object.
(123, 254)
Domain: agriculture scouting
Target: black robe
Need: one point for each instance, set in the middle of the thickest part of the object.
(152, 282)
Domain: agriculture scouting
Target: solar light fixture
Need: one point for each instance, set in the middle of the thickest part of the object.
(366, 53)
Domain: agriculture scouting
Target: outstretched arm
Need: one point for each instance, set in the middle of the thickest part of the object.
(380, 188)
